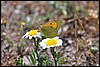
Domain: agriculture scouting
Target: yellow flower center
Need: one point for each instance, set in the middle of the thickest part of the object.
(32, 32)
(51, 42)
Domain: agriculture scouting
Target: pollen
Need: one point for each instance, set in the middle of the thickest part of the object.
(32, 32)
(51, 42)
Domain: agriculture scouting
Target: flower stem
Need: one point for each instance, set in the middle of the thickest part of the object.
(36, 47)
(37, 56)
(53, 53)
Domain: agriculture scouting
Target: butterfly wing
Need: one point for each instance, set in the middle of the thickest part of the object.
(59, 23)
(50, 29)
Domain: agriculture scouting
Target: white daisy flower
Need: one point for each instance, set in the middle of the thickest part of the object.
(50, 42)
(32, 33)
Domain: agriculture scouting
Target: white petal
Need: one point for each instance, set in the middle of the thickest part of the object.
(45, 40)
(43, 47)
(30, 37)
(56, 38)
(59, 44)
(59, 41)
(51, 46)
(42, 44)
(48, 46)
(23, 36)
(26, 36)
(39, 33)
(38, 36)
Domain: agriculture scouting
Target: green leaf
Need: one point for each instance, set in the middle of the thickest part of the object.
(42, 57)
(19, 47)
(52, 2)
(58, 56)
(61, 60)
(94, 50)
(46, 63)
(28, 58)
(64, 12)
(33, 53)
(32, 59)
(19, 61)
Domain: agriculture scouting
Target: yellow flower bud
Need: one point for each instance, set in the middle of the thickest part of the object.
(23, 23)
(5, 21)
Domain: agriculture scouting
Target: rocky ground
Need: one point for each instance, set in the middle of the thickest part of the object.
(79, 31)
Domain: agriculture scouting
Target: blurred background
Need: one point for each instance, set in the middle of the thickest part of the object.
(79, 31)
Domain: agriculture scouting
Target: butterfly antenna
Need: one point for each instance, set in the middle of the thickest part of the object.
(37, 20)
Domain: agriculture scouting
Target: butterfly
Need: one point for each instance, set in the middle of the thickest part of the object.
(50, 29)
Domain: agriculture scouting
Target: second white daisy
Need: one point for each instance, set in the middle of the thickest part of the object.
(50, 42)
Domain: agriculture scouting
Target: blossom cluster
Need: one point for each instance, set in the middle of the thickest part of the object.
(45, 43)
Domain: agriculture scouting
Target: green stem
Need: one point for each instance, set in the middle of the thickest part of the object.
(37, 56)
(36, 47)
(53, 53)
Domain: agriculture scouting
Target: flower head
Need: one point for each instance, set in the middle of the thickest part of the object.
(32, 33)
(1, 21)
(23, 23)
(50, 42)
(5, 21)
(14, 3)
